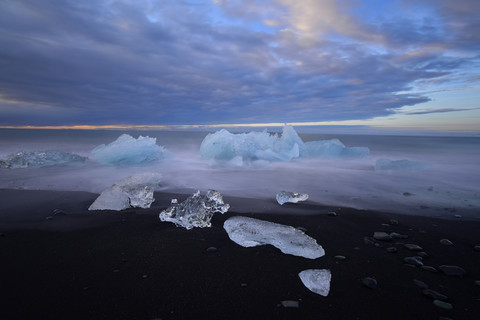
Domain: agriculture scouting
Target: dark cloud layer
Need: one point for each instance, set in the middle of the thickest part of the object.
(195, 62)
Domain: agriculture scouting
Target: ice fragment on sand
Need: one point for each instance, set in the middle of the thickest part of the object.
(292, 197)
(317, 280)
(400, 165)
(249, 232)
(262, 146)
(40, 159)
(134, 191)
(195, 211)
(127, 150)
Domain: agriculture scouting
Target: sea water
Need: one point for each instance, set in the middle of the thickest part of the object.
(450, 185)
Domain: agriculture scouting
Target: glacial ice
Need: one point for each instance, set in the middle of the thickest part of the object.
(127, 150)
(249, 232)
(41, 159)
(134, 191)
(317, 280)
(400, 165)
(254, 146)
(195, 211)
(292, 197)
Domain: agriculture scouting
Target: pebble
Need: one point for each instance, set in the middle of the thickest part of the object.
(443, 304)
(393, 222)
(476, 248)
(212, 249)
(452, 270)
(434, 294)
(413, 260)
(407, 194)
(396, 235)
(457, 216)
(290, 304)
(59, 212)
(446, 242)
(477, 282)
(413, 247)
(392, 249)
(370, 283)
(116, 271)
(367, 240)
(144, 276)
(383, 236)
(49, 218)
(420, 284)
(243, 285)
(340, 257)
(422, 254)
(2, 235)
(429, 269)
(332, 214)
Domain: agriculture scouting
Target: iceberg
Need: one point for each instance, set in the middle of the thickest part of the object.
(127, 150)
(41, 159)
(262, 146)
(195, 211)
(292, 197)
(317, 280)
(400, 165)
(249, 232)
(135, 191)
(334, 148)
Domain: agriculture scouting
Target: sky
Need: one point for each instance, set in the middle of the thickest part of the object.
(411, 65)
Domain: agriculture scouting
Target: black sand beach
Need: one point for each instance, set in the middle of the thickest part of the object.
(78, 264)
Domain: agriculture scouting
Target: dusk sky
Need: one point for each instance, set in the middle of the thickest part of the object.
(394, 65)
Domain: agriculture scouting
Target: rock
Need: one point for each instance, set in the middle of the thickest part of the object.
(2, 235)
(340, 257)
(393, 222)
(413, 247)
(212, 249)
(413, 261)
(49, 218)
(58, 212)
(370, 283)
(446, 242)
(434, 294)
(290, 304)
(476, 248)
(429, 269)
(452, 270)
(443, 304)
(332, 214)
(422, 254)
(368, 240)
(420, 284)
(144, 276)
(383, 236)
(477, 282)
(407, 194)
(392, 249)
(457, 216)
(396, 235)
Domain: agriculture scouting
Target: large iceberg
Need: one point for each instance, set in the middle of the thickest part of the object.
(41, 159)
(292, 197)
(254, 146)
(127, 150)
(317, 280)
(249, 232)
(195, 211)
(400, 165)
(134, 191)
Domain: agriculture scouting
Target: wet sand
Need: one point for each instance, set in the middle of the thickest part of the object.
(130, 265)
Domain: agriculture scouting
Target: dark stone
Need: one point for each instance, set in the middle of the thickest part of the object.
(393, 222)
(332, 214)
(49, 218)
(452, 270)
(340, 257)
(476, 248)
(392, 249)
(422, 254)
(59, 212)
(396, 235)
(443, 304)
(429, 269)
(383, 236)
(413, 247)
(370, 283)
(420, 284)
(446, 242)
(434, 294)
(407, 194)
(413, 261)
(290, 304)
(212, 249)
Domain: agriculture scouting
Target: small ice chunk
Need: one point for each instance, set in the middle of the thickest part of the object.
(317, 280)
(249, 232)
(127, 150)
(292, 197)
(400, 165)
(41, 159)
(195, 211)
(134, 191)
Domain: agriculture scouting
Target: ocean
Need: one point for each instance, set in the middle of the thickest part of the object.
(449, 186)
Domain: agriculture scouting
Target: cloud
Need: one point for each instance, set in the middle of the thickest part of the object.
(176, 62)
